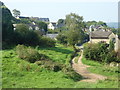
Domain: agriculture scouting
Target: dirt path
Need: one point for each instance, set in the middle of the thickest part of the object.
(81, 69)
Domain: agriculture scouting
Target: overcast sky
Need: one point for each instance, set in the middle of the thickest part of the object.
(98, 10)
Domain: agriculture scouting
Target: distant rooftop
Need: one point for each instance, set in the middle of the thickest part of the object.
(44, 19)
(100, 34)
(51, 35)
(54, 23)
(23, 17)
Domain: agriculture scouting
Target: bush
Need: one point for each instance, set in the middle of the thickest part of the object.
(54, 66)
(99, 52)
(50, 65)
(91, 51)
(111, 56)
(62, 38)
(25, 36)
(118, 56)
(29, 54)
(71, 73)
(47, 42)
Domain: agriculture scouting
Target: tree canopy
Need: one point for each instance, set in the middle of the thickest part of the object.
(74, 21)
(74, 24)
(42, 25)
(89, 23)
(7, 27)
(16, 13)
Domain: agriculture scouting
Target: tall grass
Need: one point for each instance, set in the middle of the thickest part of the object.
(18, 73)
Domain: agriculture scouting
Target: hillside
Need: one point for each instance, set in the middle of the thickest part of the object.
(17, 73)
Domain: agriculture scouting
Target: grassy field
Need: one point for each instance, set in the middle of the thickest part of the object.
(106, 70)
(16, 75)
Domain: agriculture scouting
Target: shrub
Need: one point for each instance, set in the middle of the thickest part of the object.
(29, 54)
(25, 36)
(111, 45)
(90, 51)
(50, 65)
(118, 56)
(47, 42)
(99, 52)
(54, 66)
(111, 56)
(71, 73)
(62, 38)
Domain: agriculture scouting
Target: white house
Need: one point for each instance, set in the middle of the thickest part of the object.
(52, 25)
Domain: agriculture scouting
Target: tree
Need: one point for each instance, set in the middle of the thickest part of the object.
(74, 21)
(62, 38)
(26, 36)
(89, 23)
(74, 24)
(60, 23)
(74, 37)
(42, 25)
(7, 27)
(102, 23)
(16, 13)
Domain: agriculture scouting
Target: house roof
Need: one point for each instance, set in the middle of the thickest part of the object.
(23, 17)
(51, 35)
(54, 24)
(44, 19)
(100, 34)
(32, 25)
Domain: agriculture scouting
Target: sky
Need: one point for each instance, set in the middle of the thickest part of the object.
(98, 10)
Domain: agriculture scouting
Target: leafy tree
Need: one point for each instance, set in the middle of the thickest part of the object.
(61, 23)
(26, 36)
(74, 24)
(73, 37)
(62, 38)
(89, 23)
(22, 28)
(74, 21)
(102, 23)
(7, 27)
(42, 25)
(25, 21)
(16, 13)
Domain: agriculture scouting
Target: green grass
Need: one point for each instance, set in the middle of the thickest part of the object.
(18, 73)
(106, 70)
(59, 53)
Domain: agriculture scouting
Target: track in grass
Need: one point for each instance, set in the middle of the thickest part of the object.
(81, 69)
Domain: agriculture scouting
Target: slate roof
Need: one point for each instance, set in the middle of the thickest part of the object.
(51, 35)
(54, 24)
(44, 19)
(23, 17)
(100, 34)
